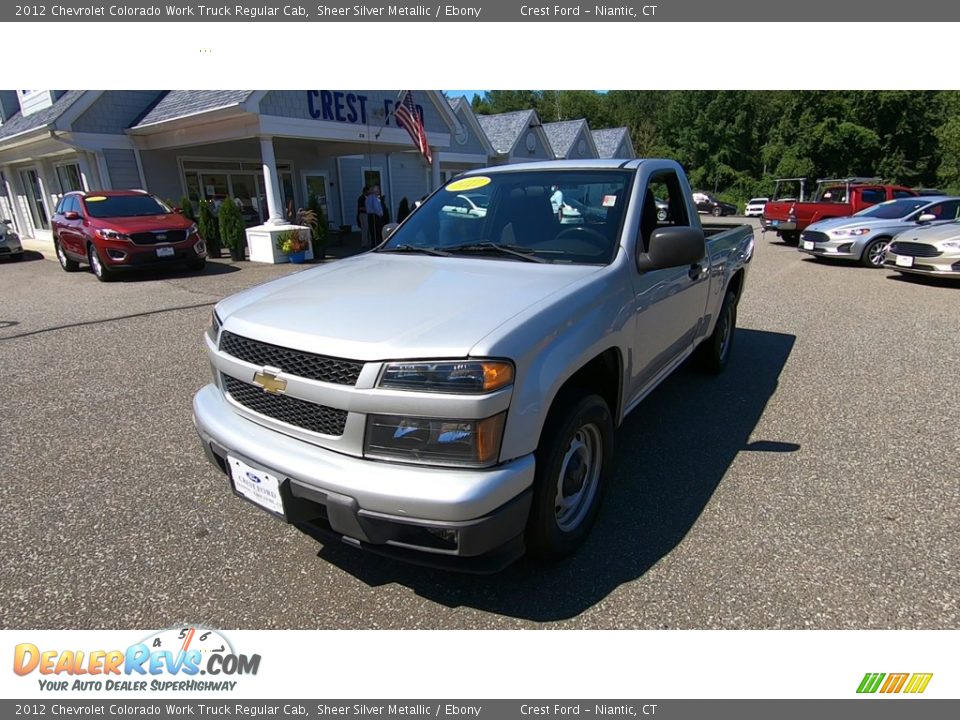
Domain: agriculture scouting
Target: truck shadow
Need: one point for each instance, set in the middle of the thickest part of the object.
(672, 453)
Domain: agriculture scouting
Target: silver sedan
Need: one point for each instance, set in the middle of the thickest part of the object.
(863, 237)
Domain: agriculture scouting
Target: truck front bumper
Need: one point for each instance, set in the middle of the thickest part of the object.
(448, 517)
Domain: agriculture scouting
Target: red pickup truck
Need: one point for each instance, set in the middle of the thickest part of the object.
(835, 198)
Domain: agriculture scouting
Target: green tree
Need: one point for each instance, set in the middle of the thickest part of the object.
(209, 228)
(186, 207)
(232, 232)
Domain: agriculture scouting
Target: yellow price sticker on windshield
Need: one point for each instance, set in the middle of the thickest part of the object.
(468, 183)
(95, 198)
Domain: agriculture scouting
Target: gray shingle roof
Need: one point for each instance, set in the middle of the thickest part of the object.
(608, 140)
(19, 123)
(504, 130)
(180, 103)
(562, 135)
(456, 102)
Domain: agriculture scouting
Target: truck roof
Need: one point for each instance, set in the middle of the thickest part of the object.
(601, 164)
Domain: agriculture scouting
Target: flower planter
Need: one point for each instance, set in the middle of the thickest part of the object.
(297, 257)
(237, 253)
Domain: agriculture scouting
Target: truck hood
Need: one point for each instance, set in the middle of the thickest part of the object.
(379, 306)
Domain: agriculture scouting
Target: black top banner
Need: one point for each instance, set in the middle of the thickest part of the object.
(482, 11)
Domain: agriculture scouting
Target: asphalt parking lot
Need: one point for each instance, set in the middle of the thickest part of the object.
(814, 484)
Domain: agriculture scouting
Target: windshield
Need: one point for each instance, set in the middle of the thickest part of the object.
(893, 209)
(104, 206)
(563, 216)
(756, 201)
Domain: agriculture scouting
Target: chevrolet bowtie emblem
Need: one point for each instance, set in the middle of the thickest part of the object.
(268, 380)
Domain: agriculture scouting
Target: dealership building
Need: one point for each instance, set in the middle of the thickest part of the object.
(270, 150)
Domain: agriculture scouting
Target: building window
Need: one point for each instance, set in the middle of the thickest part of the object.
(69, 177)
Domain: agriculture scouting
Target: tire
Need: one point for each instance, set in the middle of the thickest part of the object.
(791, 238)
(66, 263)
(714, 353)
(197, 265)
(661, 215)
(574, 462)
(16, 257)
(100, 271)
(873, 253)
(717, 211)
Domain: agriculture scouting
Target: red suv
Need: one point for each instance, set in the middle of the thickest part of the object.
(120, 229)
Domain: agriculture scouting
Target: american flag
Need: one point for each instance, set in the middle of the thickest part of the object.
(408, 117)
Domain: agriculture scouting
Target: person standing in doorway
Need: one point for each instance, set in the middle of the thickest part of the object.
(374, 215)
(362, 215)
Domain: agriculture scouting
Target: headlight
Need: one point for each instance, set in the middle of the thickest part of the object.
(193, 229)
(107, 234)
(450, 376)
(432, 441)
(849, 232)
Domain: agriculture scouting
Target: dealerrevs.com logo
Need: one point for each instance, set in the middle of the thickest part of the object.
(172, 659)
(909, 683)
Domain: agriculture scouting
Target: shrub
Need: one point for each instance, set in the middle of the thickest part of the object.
(186, 207)
(231, 225)
(319, 227)
(291, 241)
(209, 228)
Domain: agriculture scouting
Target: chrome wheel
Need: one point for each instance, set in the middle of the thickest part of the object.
(726, 333)
(579, 477)
(876, 252)
(61, 256)
(95, 264)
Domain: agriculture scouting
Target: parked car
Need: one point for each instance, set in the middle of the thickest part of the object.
(754, 207)
(835, 198)
(117, 230)
(10, 246)
(864, 236)
(708, 204)
(466, 205)
(930, 250)
(463, 409)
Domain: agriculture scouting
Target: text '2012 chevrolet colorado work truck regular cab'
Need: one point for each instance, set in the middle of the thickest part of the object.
(451, 396)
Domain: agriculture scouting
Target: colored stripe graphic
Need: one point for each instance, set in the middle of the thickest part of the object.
(870, 682)
(918, 682)
(894, 683)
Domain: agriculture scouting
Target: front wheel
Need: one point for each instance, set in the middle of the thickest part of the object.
(714, 353)
(197, 265)
(717, 211)
(574, 461)
(873, 253)
(100, 271)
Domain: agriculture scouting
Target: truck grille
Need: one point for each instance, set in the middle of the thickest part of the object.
(158, 236)
(293, 411)
(814, 236)
(914, 249)
(293, 362)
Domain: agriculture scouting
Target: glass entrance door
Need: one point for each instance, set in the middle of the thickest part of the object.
(34, 191)
(246, 196)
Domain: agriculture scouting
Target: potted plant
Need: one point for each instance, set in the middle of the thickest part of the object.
(317, 221)
(232, 232)
(292, 244)
(209, 229)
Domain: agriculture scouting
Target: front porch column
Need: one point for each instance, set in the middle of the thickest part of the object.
(87, 177)
(271, 182)
(435, 169)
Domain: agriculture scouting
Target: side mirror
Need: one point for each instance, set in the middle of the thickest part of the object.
(672, 247)
(388, 230)
(926, 218)
(178, 211)
(8, 222)
(71, 215)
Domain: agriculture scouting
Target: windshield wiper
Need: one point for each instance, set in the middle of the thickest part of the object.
(486, 246)
(416, 249)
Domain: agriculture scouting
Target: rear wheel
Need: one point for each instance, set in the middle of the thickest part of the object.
(873, 253)
(717, 211)
(791, 238)
(574, 461)
(66, 263)
(100, 270)
(714, 352)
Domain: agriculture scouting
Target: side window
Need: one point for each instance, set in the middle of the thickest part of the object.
(902, 194)
(944, 210)
(62, 206)
(70, 203)
(872, 196)
(664, 205)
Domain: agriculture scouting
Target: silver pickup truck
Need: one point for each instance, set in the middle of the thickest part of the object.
(450, 397)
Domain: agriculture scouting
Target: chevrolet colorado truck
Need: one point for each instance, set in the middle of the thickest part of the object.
(835, 199)
(451, 396)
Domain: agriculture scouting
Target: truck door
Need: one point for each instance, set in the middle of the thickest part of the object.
(669, 303)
